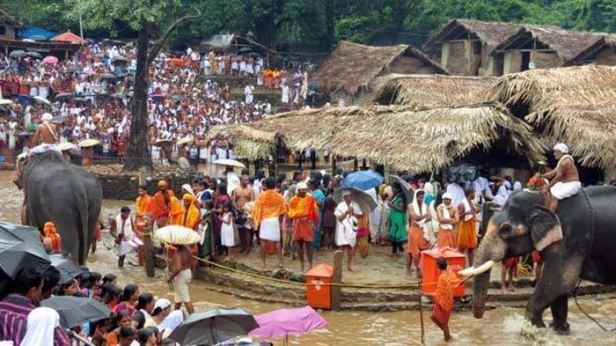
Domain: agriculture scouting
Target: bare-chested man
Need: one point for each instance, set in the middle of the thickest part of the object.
(181, 275)
(242, 195)
(46, 132)
(564, 179)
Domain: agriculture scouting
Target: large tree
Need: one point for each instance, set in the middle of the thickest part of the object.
(145, 17)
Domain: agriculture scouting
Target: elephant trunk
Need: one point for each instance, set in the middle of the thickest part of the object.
(480, 290)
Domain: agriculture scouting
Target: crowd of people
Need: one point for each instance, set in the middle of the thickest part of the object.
(137, 317)
(90, 95)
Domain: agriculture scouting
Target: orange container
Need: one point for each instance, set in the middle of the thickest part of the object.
(318, 290)
(455, 261)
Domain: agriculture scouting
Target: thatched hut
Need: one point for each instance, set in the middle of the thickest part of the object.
(398, 137)
(467, 46)
(574, 105)
(350, 70)
(603, 52)
(8, 25)
(536, 46)
(422, 92)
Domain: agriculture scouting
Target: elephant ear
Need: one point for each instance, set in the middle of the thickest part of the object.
(545, 227)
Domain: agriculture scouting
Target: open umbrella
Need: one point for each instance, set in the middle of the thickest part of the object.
(35, 55)
(63, 96)
(86, 143)
(176, 62)
(406, 187)
(17, 54)
(229, 162)
(365, 201)
(363, 180)
(108, 76)
(68, 270)
(214, 326)
(20, 247)
(75, 311)
(282, 322)
(4, 102)
(41, 99)
(119, 59)
(177, 235)
(50, 60)
(162, 142)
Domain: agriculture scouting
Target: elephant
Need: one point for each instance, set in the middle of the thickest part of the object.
(67, 195)
(576, 243)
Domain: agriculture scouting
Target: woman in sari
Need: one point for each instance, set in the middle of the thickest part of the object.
(397, 233)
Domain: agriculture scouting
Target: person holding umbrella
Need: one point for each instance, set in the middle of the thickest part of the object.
(347, 212)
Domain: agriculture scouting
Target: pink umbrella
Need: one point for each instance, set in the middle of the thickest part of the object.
(281, 323)
(50, 60)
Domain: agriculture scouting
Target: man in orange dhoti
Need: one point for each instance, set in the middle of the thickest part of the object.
(418, 216)
(467, 233)
(443, 297)
(142, 202)
(159, 205)
(52, 238)
(304, 212)
(448, 222)
(267, 216)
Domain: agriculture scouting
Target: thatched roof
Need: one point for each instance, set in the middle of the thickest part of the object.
(423, 141)
(565, 43)
(353, 66)
(574, 105)
(422, 92)
(490, 33)
(606, 41)
(7, 19)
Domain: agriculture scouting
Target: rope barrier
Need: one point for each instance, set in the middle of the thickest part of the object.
(413, 285)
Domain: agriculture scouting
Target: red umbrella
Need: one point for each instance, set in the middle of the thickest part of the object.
(176, 62)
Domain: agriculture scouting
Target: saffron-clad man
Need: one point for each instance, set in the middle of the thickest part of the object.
(267, 215)
(159, 205)
(443, 297)
(142, 202)
(304, 212)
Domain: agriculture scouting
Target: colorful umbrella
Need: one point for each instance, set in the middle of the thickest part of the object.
(50, 60)
(363, 180)
(214, 326)
(282, 322)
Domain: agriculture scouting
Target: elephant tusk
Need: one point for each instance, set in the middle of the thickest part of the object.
(467, 272)
(472, 271)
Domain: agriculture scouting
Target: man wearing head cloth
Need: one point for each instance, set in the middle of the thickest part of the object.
(160, 204)
(448, 219)
(304, 212)
(564, 179)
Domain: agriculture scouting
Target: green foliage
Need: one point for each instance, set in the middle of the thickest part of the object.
(315, 21)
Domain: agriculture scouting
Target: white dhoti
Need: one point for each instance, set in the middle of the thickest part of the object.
(270, 229)
(562, 190)
(180, 286)
(128, 245)
(39, 149)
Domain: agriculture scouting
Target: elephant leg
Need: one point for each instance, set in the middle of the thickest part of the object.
(559, 309)
(559, 278)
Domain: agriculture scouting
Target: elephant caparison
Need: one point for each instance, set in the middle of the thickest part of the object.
(578, 241)
(66, 195)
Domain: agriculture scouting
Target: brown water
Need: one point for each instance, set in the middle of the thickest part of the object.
(502, 326)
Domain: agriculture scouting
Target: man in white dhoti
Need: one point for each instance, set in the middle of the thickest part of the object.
(124, 231)
(564, 179)
(347, 214)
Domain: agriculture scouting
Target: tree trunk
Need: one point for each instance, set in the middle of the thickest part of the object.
(137, 152)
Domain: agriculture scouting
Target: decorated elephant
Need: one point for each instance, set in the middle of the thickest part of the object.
(66, 195)
(576, 243)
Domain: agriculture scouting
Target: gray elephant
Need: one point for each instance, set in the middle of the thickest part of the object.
(67, 195)
(578, 243)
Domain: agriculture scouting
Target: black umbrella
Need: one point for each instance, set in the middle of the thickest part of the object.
(34, 55)
(214, 326)
(20, 247)
(75, 311)
(63, 96)
(68, 270)
(16, 54)
(406, 187)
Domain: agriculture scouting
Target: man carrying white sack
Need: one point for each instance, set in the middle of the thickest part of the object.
(564, 179)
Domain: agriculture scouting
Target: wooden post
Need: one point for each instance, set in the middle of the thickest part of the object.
(148, 247)
(337, 279)
(313, 159)
(333, 165)
(355, 164)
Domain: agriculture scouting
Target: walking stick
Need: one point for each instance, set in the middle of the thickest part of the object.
(421, 319)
